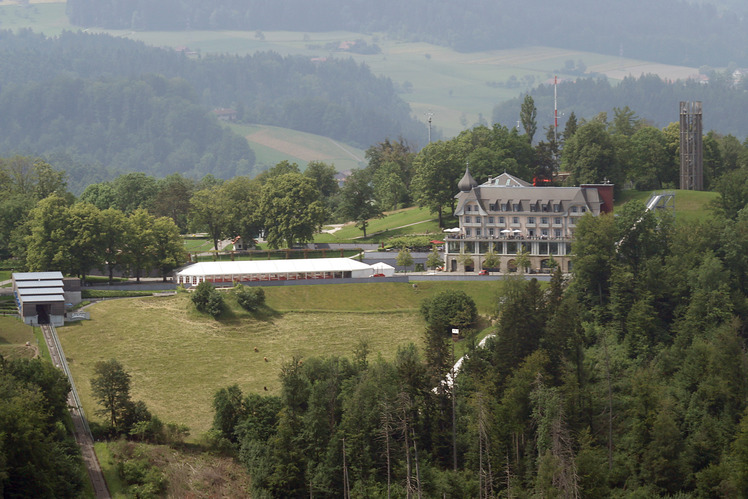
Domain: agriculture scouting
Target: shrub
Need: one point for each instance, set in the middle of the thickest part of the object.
(207, 299)
(249, 298)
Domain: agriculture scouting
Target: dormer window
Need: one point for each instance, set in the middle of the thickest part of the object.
(573, 209)
(557, 208)
(516, 207)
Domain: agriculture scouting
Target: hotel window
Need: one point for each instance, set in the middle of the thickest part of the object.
(477, 219)
(483, 248)
(557, 232)
(467, 232)
(490, 220)
(531, 220)
(468, 208)
(557, 220)
(477, 232)
(573, 209)
(544, 220)
(467, 219)
(490, 232)
(584, 208)
(557, 208)
(516, 207)
(515, 220)
(533, 208)
(501, 220)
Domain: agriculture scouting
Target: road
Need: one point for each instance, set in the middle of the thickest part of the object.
(81, 430)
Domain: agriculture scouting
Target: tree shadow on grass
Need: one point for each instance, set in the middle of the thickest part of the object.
(262, 313)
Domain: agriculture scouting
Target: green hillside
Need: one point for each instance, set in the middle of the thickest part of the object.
(458, 88)
(690, 206)
(273, 145)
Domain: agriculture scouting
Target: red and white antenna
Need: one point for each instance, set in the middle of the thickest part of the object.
(555, 109)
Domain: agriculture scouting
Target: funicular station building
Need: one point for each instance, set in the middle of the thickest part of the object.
(40, 297)
(508, 216)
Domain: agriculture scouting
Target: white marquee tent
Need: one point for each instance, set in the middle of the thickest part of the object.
(274, 270)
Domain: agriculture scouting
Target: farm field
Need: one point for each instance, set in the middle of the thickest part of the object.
(178, 359)
(273, 144)
(459, 89)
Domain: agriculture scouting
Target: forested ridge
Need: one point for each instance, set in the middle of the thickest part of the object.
(655, 100)
(97, 99)
(670, 31)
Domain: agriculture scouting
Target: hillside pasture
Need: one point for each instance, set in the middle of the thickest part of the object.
(273, 145)
(178, 358)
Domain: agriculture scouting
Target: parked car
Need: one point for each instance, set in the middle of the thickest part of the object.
(483, 272)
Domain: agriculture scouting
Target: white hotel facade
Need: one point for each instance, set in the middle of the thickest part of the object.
(508, 216)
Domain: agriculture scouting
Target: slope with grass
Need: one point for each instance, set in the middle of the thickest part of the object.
(273, 144)
(412, 220)
(178, 359)
(690, 206)
(13, 337)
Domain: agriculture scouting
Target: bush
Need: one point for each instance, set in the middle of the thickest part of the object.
(249, 299)
(207, 299)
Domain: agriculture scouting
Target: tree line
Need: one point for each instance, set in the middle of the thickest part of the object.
(655, 100)
(629, 378)
(667, 31)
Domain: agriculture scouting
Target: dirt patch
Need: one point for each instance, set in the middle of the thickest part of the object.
(266, 139)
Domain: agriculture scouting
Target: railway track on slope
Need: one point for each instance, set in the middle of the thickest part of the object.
(81, 429)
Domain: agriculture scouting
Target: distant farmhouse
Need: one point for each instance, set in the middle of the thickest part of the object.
(225, 114)
(508, 216)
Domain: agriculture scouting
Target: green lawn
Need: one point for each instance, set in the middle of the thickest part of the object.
(193, 244)
(13, 337)
(178, 359)
(690, 206)
(406, 221)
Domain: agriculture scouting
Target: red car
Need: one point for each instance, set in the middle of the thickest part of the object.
(483, 272)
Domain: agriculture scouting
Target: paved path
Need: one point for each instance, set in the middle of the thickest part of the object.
(80, 426)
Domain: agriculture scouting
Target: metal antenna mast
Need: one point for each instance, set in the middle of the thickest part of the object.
(429, 115)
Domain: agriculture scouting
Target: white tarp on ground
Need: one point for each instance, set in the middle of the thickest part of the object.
(203, 270)
(383, 268)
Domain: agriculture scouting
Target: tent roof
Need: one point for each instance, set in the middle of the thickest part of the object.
(273, 267)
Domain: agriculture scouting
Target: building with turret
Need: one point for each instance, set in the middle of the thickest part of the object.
(509, 217)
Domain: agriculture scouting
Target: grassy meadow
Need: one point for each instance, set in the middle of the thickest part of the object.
(178, 358)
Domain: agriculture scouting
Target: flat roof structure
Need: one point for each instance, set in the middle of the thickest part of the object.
(40, 297)
(274, 270)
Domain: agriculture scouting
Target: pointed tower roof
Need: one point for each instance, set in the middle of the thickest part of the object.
(468, 182)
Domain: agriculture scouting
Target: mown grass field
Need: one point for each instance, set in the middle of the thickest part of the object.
(178, 358)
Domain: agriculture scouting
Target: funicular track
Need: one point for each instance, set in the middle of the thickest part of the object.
(81, 429)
